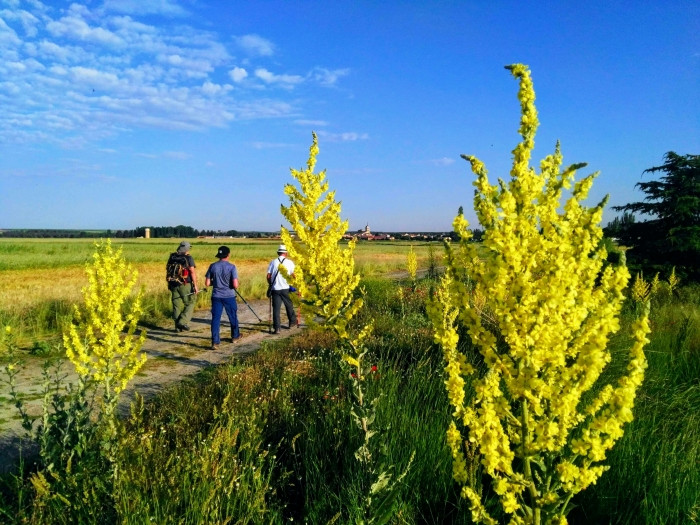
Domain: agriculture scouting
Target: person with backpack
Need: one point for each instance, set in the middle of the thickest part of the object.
(223, 276)
(182, 283)
(278, 290)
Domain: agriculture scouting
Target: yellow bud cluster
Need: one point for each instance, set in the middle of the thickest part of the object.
(539, 303)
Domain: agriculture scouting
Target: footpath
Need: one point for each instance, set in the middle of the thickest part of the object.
(172, 356)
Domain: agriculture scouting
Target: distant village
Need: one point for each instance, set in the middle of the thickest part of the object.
(187, 232)
(367, 235)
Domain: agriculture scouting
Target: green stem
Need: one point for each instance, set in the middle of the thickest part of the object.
(532, 489)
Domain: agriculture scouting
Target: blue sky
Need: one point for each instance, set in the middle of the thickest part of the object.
(124, 113)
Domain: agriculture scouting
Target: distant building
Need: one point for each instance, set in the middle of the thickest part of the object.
(366, 235)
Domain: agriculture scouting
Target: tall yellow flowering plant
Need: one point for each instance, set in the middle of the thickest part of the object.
(538, 302)
(325, 273)
(95, 343)
(325, 277)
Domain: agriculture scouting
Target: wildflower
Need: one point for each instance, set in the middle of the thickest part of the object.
(539, 304)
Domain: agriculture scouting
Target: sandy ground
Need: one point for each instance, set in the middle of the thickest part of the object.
(171, 357)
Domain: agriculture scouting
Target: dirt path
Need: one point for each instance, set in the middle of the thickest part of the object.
(171, 357)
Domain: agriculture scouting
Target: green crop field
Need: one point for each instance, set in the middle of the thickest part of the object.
(269, 439)
(43, 277)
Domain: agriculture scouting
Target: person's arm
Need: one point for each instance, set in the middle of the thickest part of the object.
(207, 281)
(235, 283)
(193, 278)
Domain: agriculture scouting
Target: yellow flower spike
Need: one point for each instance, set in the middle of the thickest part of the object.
(111, 360)
(539, 304)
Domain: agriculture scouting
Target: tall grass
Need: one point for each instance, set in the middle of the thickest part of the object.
(268, 438)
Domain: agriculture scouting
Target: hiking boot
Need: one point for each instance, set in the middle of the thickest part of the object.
(215, 346)
(276, 331)
(236, 339)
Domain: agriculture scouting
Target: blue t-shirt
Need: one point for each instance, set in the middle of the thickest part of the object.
(222, 273)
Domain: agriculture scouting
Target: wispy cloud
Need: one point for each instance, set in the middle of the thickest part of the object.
(271, 78)
(151, 7)
(349, 136)
(256, 45)
(78, 74)
(317, 123)
(444, 161)
(270, 145)
(327, 77)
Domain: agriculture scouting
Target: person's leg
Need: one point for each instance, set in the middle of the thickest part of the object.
(232, 313)
(276, 307)
(190, 300)
(217, 307)
(178, 304)
(289, 307)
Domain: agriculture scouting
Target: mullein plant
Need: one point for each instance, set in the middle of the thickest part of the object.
(326, 280)
(412, 265)
(101, 341)
(550, 304)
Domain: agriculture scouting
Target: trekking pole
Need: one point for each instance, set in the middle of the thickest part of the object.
(246, 303)
(193, 293)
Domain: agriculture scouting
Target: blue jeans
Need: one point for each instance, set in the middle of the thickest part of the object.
(217, 306)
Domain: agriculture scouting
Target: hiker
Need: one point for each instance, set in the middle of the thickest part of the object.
(278, 290)
(223, 276)
(182, 283)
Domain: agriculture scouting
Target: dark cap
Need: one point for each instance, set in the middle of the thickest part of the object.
(223, 252)
(184, 247)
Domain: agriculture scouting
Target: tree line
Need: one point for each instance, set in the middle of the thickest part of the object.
(156, 232)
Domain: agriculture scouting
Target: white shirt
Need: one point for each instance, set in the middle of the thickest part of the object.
(280, 282)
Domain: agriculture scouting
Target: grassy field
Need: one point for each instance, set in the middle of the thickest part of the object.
(42, 278)
(269, 439)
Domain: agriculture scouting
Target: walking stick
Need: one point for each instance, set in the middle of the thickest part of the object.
(194, 293)
(246, 303)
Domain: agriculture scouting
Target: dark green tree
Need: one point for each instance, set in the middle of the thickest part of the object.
(671, 237)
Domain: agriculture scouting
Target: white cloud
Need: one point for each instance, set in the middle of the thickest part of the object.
(28, 21)
(76, 74)
(255, 45)
(52, 50)
(76, 28)
(319, 123)
(237, 74)
(327, 77)
(178, 155)
(7, 35)
(444, 161)
(211, 89)
(269, 145)
(271, 78)
(93, 79)
(141, 7)
(349, 136)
